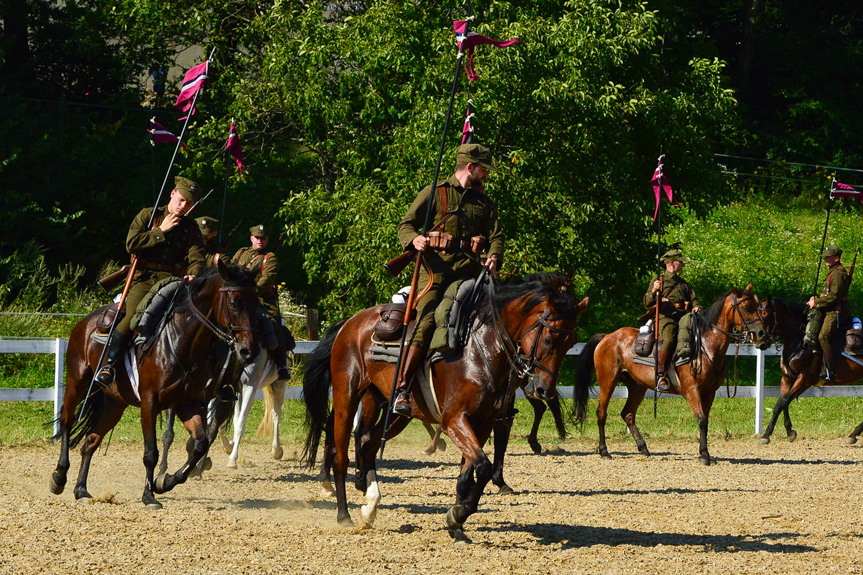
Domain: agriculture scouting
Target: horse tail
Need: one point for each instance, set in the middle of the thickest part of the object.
(84, 419)
(583, 378)
(266, 426)
(316, 392)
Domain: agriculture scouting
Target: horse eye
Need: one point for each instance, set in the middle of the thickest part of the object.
(547, 341)
(234, 304)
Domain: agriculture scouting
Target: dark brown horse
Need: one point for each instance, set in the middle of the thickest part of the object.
(524, 327)
(220, 304)
(801, 367)
(612, 357)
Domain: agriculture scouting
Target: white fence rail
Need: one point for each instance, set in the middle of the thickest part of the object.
(758, 391)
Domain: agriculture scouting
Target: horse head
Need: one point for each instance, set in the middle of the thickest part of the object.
(544, 317)
(235, 305)
(749, 314)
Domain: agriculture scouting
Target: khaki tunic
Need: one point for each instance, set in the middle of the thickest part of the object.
(265, 282)
(181, 247)
(474, 214)
(681, 299)
(825, 317)
(211, 249)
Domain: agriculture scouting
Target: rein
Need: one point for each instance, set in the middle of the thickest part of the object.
(738, 338)
(226, 336)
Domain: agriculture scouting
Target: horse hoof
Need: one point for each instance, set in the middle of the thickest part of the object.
(206, 464)
(327, 489)
(367, 518)
(704, 460)
(792, 436)
(850, 440)
(346, 523)
(605, 456)
(159, 485)
(764, 441)
(451, 521)
(229, 448)
(153, 506)
(232, 464)
(459, 537)
(506, 490)
(55, 487)
(85, 500)
(278, 452)
(535, 447)
(441, 446)
(429, 450)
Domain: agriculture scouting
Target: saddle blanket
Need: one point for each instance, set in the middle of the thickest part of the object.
(388, 352)
(649, 360)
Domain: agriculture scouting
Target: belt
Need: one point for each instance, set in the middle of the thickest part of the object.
(459, 246)
(177, 270)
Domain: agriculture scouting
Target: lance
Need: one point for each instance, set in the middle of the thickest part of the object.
(225, 192)
(412, 299)
(657, 334)
(824, 237)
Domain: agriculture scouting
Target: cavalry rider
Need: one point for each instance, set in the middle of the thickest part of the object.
(470, 226)
(209, 230)
(171, 247)
(825, 310)
(678, 301)
(258, 255)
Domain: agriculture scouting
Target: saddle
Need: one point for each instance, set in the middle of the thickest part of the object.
(853, 336)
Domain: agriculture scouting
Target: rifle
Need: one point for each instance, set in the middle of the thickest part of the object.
(110, 281)
(396, 265)
(231, 235)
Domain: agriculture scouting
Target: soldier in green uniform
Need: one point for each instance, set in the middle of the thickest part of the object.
(470, 218)
(259, 255)
(209, 230)
(171, 247)
(677, 302)
(826, 310)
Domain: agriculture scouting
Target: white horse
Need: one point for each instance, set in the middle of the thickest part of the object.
(261, 374)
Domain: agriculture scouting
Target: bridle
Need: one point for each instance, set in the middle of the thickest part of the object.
(226, 334)
(739, 338)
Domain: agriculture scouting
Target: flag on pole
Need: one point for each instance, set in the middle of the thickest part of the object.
(159, 134)
(466, 42)
(840, 190)
(193, 81)
(234, 148)
(660, 180)
(467, 129)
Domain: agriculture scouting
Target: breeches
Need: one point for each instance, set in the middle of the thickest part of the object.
(823, 325)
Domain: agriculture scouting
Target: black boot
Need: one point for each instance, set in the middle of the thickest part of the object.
(402, 402)
(226, 394)
(663, 385)
(106, 375)
(827, 373)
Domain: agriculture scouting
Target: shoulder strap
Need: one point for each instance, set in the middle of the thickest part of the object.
(264, 263)
(442, 195)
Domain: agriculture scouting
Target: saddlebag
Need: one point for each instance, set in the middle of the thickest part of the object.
(389, 326)
(643, 345)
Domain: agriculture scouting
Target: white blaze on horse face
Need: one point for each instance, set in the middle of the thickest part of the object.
(373, 497)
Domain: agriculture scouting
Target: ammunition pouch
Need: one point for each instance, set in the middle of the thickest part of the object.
(390, 323)
(478, 244)
(440, 240)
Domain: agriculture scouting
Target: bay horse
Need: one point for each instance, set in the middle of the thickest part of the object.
(218, 305)
(801, 367)
(473, 389)
(611, 356)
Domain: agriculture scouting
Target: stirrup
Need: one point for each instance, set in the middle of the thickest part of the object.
(227, 394)
(106, 375)
(284, 374)
(402, 405)
(664, 385)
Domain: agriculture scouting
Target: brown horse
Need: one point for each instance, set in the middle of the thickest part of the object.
(801, 367)
(612, 358)
(219, 305)
(525, 327)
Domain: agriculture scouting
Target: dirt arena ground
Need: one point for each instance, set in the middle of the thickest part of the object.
(788, 508)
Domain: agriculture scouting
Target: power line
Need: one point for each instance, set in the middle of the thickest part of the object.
(789, 163)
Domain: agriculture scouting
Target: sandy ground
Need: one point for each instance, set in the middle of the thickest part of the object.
(789, 508)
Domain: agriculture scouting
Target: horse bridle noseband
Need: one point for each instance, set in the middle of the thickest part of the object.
(226, 336)
(735, 305)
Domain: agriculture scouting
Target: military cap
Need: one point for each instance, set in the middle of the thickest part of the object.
(674, 255)
(187, 188)
(260, 231)
(831, 251)
(474, 154)
(208, 226)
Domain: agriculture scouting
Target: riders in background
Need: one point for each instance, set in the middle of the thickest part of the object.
(171, 247)
(209, 230)
(678, 300)
(468, 225)
(826, 309)
(259, 255)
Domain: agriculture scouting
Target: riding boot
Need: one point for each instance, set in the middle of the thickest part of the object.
(280, 357)
(402, 402)
(663, 385)
(827, 373)
(684, 334)
(815, 318)
(106, 375)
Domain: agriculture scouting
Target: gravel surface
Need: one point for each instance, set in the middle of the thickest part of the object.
(788, 508)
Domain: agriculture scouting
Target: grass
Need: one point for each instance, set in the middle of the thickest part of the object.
(822, 418)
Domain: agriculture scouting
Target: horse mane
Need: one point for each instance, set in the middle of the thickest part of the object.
(237, 277)
(707, 318)
(535, 289)
(794, 315)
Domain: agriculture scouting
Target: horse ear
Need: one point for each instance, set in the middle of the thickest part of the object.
(223, 269)
(582, 305)
(748, 288)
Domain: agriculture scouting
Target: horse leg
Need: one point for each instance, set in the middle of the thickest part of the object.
(167, 440)
(701, 408)
(344, 408)
(605, 392)
(437, 443)
(789, 391)
(852, 438)
(325, 475)
(636, 396)
(193, 416)
(74, 393)
(278, 401)
(502, 430)
(241, 415)
(538, 411)
(556, 412)
(476, 463)
(109, 414)
(790, 434)
(778, 408)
